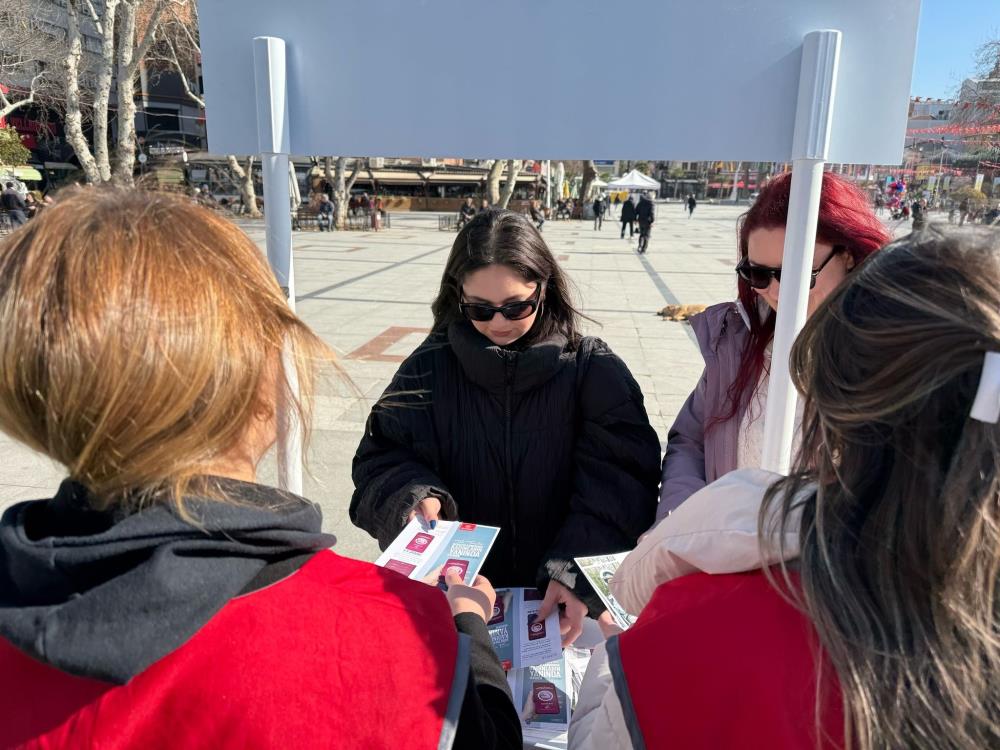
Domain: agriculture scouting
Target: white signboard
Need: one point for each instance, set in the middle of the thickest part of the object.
(536, 79)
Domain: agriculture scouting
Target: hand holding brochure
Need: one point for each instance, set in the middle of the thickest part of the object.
(419, 549)
(599, 570)
(519, 637)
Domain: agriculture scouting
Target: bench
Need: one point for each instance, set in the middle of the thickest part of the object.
(362, 222)
(305, 218)
(447, 223)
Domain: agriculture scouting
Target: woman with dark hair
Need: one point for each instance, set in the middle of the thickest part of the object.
(720, 427)
(856, 602)
(507, 416)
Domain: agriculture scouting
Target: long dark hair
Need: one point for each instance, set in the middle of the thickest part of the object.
(507, 238)
(900, 534)
(845, 218)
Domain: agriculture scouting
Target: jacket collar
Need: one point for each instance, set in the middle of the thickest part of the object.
(104, 594)
(495, 367)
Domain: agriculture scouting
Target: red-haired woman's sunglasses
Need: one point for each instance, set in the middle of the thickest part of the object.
(482, 313)
(759, 277)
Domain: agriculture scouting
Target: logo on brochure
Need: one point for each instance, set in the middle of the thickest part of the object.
(456, 566)
(536, 627)
(400, 567)
(420, 542)
(467, 527)
(497, 612)
(545, 698)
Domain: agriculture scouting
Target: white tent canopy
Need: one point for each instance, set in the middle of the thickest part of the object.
(634, 180)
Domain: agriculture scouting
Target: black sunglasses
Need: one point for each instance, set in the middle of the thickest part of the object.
(512, 311)
(759, 277)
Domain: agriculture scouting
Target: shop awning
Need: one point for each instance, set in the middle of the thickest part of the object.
(27, 173)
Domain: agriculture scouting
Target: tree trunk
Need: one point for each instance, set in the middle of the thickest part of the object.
(102, 93)
(589, 173)
(341, 186)
(513, 169)
(125, 152)
(493, 182)
(73, 116)
(243, 178)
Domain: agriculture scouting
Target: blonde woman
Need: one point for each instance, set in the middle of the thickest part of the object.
(163, 598)
(880, 627)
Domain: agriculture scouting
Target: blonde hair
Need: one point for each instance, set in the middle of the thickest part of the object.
(140, 337)
(900, 543)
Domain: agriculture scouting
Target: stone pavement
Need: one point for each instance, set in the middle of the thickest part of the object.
(368, 295)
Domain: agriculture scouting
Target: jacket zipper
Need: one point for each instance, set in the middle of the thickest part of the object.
(508, 461)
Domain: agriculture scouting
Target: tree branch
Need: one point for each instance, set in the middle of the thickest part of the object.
(142, 49)
(183, 76)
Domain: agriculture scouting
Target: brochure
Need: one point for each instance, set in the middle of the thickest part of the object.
(599, 570)
(543, 696)
(419, 549)
(519, 637)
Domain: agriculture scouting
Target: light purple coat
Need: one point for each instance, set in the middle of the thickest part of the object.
(697, 455)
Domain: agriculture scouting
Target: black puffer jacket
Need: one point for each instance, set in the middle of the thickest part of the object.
(551, 445)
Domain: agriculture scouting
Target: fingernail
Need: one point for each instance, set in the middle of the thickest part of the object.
(433, 524)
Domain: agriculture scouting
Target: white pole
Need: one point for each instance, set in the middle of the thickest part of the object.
(548, 186)
(810, 146)
(274, 142)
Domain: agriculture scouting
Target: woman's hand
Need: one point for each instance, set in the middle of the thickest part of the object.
(429, 508)
(608, 625)
(571, 613)
(478, 598)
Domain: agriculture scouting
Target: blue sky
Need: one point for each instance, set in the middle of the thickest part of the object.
(950, 32)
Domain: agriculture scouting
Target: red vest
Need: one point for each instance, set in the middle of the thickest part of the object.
(339, 655)
(724, 662)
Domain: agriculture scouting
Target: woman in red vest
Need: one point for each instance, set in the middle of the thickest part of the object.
(163, 598)
(855, 603)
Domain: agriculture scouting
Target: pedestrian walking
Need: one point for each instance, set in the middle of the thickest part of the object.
(507, 415)
(645, 214)
(691, 204)
(628, 216)
(600, 205)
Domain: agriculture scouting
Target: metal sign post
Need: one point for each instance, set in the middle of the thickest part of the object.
(273, 142)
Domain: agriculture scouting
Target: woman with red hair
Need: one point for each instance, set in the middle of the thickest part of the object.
(720, 427)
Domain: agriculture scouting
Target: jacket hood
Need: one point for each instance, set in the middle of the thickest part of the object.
(103, 594)
(491, 367)
(714, 531)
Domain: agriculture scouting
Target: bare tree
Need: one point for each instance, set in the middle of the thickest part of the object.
(28, 56)
(341, 185)
(493, 182)
(513, 170)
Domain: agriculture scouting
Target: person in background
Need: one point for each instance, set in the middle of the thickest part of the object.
(692, 203)
(324, 212)
(163, 597)
(466, 212)
(854, 603)
(14, 205)
(484, 206)
(628, 216)
(600, 206)
(508, 416)
(537, 216)
(721, 425)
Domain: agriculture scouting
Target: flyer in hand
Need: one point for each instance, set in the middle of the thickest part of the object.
(543, 697)
(599, 571)
(419, 550)
(519, 637)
